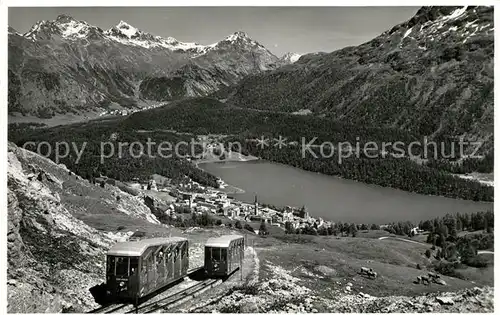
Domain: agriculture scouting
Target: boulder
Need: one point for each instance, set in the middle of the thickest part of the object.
(440, 281)
(249, 307)
(445, 300)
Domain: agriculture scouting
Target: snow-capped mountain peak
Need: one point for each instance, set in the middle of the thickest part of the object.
(64, 18)
(129, 35)
(123, 30)
(442, 24)
(64, 26)
(237, 35)
(127, 29)
(69, 28)
(290, 57)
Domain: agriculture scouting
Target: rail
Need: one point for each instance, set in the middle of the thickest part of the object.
(178, 297)
(113, 307)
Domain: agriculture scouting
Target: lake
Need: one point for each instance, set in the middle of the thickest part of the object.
(331, 197)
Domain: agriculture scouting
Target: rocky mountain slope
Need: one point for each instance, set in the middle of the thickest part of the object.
(55, 238)
(69, 66)
(283, 292)
(215, 66)
(294, 298)
(431, 75)
(60, 226)
(289, 58)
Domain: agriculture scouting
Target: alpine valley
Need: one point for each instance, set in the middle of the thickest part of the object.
(178, 139)
(69, 66)
(430, 76)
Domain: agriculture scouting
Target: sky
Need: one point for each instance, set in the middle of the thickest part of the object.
(279, 29)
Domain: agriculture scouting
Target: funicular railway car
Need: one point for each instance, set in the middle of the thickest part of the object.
(223, 255)
(136, 269)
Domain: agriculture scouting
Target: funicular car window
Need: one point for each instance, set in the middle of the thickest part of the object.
(144, 266)
(110, 265)
(216, 253)
(134, 265)
(223, 254)
(160, 256)
(184, 251)
(122, 266)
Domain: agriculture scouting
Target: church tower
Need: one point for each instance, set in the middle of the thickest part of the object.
(256, 206)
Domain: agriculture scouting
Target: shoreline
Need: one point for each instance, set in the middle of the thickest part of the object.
(233, 157)
(372, 186)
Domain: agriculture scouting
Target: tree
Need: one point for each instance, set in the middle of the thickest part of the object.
(346, 228)
(374, 227)
(263, 229)
(218, 222)
(450, 252)
(205, 220)
(303, 212)
(459, 224)
(289, 228)
(466, 249)
(323, 231)
(331, 230)
(428, 253)
(353, 230)
(451, 225)
(249, 227)
(340, 226)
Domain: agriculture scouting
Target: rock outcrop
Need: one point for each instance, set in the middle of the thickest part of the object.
(53, 256)
(431, 75)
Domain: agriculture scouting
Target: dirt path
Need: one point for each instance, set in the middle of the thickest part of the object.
(401, 239)
(485, 252)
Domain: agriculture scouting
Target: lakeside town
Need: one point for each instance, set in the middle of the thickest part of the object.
(128, 111)
(175, 199)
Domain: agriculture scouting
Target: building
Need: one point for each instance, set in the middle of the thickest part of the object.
(152, 185)
(287, 215)
(275, 218)
(256, 207)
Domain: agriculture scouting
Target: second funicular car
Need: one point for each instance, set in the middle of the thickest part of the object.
(223, 255)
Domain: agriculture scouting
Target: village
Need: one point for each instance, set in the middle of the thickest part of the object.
(188, 197)
(126, 112)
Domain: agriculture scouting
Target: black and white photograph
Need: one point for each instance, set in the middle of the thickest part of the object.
(248, 158)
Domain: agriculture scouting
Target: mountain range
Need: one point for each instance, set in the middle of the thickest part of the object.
(69, 66)
(431, 75)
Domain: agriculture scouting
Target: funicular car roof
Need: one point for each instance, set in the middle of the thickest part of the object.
(222, 241)
(137, 248)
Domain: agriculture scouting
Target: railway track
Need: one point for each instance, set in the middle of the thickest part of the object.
(113, 307)
(178, 298)
(109, 308)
